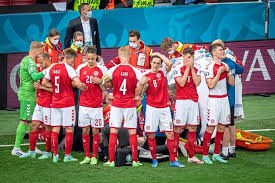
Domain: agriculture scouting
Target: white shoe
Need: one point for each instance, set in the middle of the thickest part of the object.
(37, 151)
(17, 152)
(194, 159)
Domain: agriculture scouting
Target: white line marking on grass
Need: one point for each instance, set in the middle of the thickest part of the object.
(11, 145)
(260, 130)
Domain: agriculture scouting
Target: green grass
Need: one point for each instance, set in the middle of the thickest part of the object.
(249, 166)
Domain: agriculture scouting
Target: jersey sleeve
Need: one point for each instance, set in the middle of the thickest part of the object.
(32, 68)
(109, 74)
(71, 72)
(47, 76)
(103, 69)
(209, 72)
(138, 75)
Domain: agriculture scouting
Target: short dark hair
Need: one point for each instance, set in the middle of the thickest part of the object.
(188, 50)
(81, 6)
(133, 33)
(70, 53)
(53, 32)
(213, 47)
(91, 49)
(45, 55)
(156, 56)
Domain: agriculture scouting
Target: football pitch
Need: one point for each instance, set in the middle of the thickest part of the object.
(247, 167)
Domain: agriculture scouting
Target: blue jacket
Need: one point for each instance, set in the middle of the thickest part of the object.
(235, 69)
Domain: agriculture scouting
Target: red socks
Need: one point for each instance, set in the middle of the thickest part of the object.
(191, 143)
(96, 141)
(33, 138)
(153, 147)
(218, 142)
(48, 141)
(69, 139)
(86, 144)
(54, 142)
(206, 142)
(112, 146)
(134, 147)
(171, 147)
(176, 139)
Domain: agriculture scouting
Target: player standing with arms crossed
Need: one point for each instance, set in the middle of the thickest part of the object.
(63, 108)
(124, 79)
(218, 112)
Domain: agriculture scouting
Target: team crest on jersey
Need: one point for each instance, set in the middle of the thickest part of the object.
(147, 127)
(96, 73)
(178, 121)
(212, 121)
(85, 72)
(158, 75)
(50, 50)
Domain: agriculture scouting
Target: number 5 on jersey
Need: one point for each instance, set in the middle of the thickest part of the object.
(56, 83)
(123, 87)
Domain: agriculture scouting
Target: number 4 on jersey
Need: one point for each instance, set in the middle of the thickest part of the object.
(123, 87)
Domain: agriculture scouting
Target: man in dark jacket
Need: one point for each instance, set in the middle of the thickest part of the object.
(85, 24)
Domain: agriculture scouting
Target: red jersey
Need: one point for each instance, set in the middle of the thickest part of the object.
(93, 96)
(157, 94)
(61, 76)
(125, 79)
(115, 61)
(189, 91)
(44, 98)
(220, 89)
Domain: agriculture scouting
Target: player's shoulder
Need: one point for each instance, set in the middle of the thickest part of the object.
(81, 66)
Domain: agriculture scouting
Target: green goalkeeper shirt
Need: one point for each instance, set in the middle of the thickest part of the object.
(28, 75)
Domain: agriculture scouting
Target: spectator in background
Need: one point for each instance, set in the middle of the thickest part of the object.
(53, 46)
(79, 48)
(95, 5)
(85, 24)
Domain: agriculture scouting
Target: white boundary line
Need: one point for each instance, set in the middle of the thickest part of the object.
(260, 130)
(11, 145)
(39, 143)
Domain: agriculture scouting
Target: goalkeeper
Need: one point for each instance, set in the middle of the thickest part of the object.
(27, 93)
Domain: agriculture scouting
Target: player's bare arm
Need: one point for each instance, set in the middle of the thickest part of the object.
(76, 82)
(182, 80)
(47, 83)
(211, 83)
(230, 78)
(144, 81)
(37, 85)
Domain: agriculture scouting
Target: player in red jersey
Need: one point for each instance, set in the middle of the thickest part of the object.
(187, 109)
(61, 76)
(218, 112)
(124, 79)
(42, 111)
(157, 111)
(91, 104)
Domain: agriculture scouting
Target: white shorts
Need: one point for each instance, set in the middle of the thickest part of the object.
(187, 113)
(63, 116)
(90, 117)
(128, 114)
(218, 111)
(42, 114)
(158, 117)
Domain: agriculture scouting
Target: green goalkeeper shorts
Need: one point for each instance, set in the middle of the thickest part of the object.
(26, 110)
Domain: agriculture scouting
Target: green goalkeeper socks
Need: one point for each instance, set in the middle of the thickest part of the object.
(20, 132)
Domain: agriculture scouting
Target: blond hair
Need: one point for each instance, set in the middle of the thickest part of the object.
(124, 51)
(219, 41)
(35, 45)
